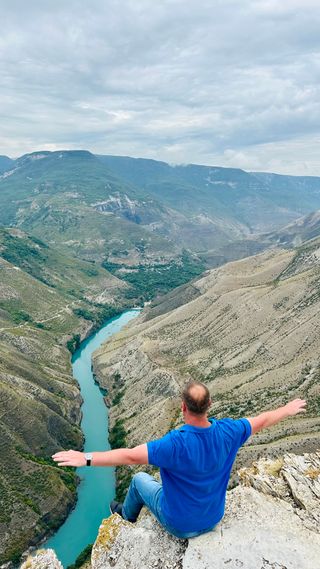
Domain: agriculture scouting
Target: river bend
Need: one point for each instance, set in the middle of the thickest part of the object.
(97, 486)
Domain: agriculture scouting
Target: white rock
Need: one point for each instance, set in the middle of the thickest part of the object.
(44, 559)
(257, 532)
(122, 545)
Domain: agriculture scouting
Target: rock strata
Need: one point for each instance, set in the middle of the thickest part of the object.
(257, 532)
(295, 479)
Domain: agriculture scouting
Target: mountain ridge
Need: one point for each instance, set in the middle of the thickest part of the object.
(168, 208)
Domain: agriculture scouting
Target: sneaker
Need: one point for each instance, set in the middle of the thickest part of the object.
(116, 508)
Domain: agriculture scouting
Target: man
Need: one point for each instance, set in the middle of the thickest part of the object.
(195, 463)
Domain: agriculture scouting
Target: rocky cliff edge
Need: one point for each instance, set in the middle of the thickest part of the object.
(272, 521)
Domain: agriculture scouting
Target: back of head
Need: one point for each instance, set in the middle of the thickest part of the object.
(196, 396)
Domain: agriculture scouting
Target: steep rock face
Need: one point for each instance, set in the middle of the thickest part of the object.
(251, 333)
(294, 479)
(40, 411)
(197, 232)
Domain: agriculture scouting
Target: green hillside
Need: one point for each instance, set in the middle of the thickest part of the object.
(41, 175)
(86, 233)
(48, 302)
(61, 197)
(138, 216)
(81, 280)
(39, 408)
(173, 207)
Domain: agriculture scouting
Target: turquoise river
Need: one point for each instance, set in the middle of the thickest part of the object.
(97, 486)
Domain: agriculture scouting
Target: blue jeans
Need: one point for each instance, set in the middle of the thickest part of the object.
(145, 490)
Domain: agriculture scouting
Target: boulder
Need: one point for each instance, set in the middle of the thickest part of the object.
(43, 559)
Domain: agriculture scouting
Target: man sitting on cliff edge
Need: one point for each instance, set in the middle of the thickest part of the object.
(195, 464)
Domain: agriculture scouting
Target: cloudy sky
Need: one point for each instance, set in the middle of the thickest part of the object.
(220, 82)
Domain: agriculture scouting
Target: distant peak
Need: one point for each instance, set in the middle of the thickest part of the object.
(41, 154)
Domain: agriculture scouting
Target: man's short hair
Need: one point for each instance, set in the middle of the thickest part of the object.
(196, 396)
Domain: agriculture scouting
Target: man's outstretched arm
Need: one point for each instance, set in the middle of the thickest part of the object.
(116, 457)
(270, 418)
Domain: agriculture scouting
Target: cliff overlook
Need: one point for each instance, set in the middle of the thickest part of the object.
(271, 522)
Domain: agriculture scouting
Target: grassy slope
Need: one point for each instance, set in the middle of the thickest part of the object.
(58, 195)
(46, 173)
(53, 267)
(39, 406)
(86, 233)
(39, 304)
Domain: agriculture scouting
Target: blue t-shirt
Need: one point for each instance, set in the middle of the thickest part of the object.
(195, 465)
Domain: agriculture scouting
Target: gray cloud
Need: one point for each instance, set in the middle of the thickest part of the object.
(218, 82)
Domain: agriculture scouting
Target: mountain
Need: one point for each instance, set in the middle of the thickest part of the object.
(258, 202)
(130, 211)
(296, 233)
(303, 229)
(291, 191)
(47, 301)
(5, 163)
(73, 199)
(58, 196)
(249, 330)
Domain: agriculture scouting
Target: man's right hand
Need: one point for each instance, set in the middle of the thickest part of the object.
(296, 406)
(270, 418)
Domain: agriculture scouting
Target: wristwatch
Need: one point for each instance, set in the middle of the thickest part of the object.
(88, 457)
